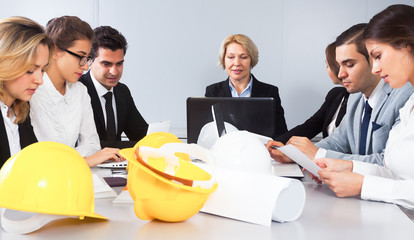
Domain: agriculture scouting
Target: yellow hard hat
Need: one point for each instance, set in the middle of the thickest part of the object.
(163, 185)
(48, 178)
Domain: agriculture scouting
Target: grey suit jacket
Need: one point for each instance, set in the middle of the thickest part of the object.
(344, 142)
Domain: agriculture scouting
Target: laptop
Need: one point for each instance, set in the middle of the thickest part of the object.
(163, 126)
(255, 115)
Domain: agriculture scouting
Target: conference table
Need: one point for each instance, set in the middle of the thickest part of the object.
(324, 216)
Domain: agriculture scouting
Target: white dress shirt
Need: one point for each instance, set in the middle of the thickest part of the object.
(12, 129)
(101, 91)
(393, 182)
(67, 119)
(373, 100)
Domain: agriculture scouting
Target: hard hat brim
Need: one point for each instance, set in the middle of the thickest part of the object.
(129, 154)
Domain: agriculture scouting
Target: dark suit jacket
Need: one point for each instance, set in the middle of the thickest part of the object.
(259, 89)
(129, 119)
(320, 121)
(26, 134)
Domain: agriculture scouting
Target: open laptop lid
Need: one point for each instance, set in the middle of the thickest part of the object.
(252, 114)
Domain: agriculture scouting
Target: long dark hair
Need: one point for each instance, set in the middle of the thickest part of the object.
(394, 26)
(331, 58)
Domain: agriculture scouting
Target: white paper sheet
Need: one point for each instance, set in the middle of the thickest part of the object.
(255, 198)
(163, 126)
(101, 188)
(300, 158)
(286, 169)
(123, 197)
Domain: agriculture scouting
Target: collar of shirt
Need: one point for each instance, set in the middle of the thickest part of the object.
(374, 97)
(247, 92)
(100, 89)
(4, 109)
(12, 129)
(5, 112)
(54, 94)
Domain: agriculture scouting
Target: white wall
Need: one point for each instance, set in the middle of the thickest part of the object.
(173, 45)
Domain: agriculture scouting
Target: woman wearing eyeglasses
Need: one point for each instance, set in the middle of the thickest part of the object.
(60, 109)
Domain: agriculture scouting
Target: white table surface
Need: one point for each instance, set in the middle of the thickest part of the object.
(324, 217)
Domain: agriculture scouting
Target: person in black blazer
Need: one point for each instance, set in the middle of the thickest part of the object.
(21, 73)
(108, 51)
(319, 122)
(238, 55)
(335, 103)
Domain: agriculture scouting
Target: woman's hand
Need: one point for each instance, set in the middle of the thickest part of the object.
(111, 154)
(331, 165)
(343, 184)
(276, 154)
(338, 175)
(334, 165)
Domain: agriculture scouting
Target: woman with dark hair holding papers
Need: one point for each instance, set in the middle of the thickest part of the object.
(389, 39)
(238, 55)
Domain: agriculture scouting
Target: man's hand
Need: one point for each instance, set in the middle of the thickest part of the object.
(304, 145)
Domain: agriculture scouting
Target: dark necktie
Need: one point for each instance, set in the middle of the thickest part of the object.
(364, 128)
(110, 118)
(342, 110)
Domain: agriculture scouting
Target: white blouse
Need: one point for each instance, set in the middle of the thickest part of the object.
(394, 182)
(12, 129)
(67, 119)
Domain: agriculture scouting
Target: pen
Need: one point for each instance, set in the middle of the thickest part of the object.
(274, 147)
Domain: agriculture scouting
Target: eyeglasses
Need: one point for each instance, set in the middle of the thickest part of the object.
(82, 59)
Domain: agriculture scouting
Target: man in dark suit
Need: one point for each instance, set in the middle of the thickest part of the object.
(113, 107)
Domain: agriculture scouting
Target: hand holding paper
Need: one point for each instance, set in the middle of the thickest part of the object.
(300, 158)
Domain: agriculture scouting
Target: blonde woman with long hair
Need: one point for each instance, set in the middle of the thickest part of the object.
(25, 51)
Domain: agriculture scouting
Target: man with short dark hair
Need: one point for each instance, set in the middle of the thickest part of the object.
(113, 107)
(373, 108)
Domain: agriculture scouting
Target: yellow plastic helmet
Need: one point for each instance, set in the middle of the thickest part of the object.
(47, 178)
(162, 182)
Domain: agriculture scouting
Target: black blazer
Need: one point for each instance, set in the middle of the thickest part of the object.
(129, 119)
(26, 134)
(259, 89)
(320, 121)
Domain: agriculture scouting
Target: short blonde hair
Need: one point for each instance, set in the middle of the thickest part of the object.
(19, 39)
(245, 42)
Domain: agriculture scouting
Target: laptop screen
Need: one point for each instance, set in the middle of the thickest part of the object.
(252, 114)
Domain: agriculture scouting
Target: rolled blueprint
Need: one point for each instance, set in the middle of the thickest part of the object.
(255, 198)
(247, 190)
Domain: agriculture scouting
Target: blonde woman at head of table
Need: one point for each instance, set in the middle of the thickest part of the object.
(61, 109)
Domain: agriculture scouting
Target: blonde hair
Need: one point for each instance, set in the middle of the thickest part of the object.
(19, 39)
(245, 42)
